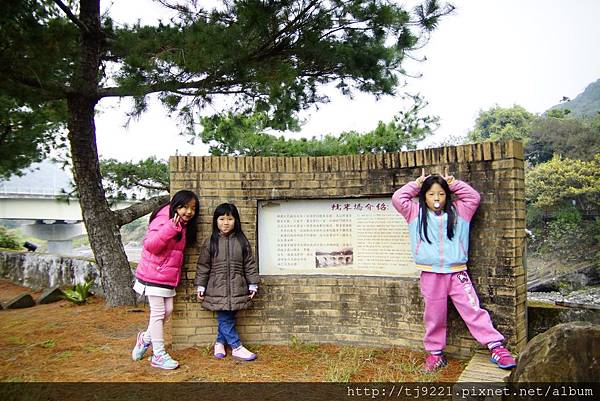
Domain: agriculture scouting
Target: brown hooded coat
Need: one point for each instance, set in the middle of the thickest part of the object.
(227, 275)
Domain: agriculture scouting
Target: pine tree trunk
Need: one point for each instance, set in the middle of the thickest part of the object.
(100, 221)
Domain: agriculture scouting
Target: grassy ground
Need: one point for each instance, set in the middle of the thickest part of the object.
(66, 342)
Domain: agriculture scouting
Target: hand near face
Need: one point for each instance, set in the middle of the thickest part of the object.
(419, 181)
(448, 178)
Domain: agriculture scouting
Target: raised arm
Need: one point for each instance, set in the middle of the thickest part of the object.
(467, 198)
(402, 201)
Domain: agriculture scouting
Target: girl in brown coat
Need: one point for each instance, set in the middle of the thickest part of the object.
(227, 278)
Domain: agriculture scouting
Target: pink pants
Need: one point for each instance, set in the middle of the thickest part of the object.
(160, 310)
(435, 288)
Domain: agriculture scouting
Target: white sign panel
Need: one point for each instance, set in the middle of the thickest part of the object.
(365, 236)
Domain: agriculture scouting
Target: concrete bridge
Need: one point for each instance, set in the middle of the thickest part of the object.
(41, 197)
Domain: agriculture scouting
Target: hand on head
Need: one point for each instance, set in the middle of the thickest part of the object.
(448, 178)
(419, 181)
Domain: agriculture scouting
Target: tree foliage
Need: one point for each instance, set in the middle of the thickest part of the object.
(560, 181)
(254, 56)
(562, 133)
(558, 132)
(499, 124)
(563, 199)
(235, 134)
(129, 180)
(8, 240)
(28, 133)
(273, 56)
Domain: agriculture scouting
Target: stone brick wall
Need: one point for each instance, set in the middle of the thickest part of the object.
(361, 310)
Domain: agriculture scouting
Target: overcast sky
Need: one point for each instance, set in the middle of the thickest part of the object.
(505, 52)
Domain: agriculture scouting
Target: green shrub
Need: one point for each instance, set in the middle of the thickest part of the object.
(80, 293)
(568, 241)
(534, 217)
(8, 240)
(568, 215)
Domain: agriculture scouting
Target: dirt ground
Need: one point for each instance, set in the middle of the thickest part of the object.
(92, 343)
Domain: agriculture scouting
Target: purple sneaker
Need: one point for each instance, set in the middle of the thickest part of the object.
(220, 351)
(503, 358)
(434, 362)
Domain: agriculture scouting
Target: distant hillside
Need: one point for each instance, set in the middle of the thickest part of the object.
(586, 103)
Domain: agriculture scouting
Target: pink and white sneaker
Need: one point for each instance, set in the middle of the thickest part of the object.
(434, 362)
(163, 361)
(502, 357)
(140, 347)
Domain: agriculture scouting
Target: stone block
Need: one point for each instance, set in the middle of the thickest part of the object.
(24, 300)
(50, 295)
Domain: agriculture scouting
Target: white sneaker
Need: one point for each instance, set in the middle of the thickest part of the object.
(242, 354)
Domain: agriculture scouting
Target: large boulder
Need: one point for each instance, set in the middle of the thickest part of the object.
(568, 352)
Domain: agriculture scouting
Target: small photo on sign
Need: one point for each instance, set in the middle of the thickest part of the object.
(331, 258)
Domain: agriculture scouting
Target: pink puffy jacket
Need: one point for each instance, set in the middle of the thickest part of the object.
(162, 256)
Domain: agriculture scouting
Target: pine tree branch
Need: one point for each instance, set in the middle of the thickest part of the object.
(152, 187)
(169, 86)
(72, 16)
(49, 91)
(137, 210)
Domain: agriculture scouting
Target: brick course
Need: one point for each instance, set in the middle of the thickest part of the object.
(361, 310)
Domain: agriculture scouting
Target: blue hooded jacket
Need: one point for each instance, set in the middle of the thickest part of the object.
(442, 255)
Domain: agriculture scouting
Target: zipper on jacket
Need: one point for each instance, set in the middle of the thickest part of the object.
(441, 234)
(228, 276)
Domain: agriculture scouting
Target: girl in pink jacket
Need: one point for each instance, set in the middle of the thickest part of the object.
(172, 227)
(439, 231)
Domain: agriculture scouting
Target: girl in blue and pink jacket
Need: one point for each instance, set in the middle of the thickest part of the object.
(439, 232)
(172, 227)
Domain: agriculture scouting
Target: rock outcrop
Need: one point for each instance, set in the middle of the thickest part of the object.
(568, 352)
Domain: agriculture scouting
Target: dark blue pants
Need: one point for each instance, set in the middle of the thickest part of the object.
(226, 332)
